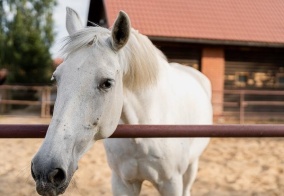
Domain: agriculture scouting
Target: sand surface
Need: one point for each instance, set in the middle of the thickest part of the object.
(228, 167)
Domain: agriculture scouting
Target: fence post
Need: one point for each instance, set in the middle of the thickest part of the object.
(48, 101)
(43, 102)
(242, 107)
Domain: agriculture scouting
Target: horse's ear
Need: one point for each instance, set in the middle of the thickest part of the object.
(73, 22)
(120, 31)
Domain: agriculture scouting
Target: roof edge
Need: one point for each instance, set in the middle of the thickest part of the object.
(218, 42)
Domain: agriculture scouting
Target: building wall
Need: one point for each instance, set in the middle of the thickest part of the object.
(222, 64)
(213, 66)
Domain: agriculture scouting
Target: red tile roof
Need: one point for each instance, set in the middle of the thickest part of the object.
(232, 20)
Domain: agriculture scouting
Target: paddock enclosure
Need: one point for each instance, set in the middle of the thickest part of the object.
(229, 166)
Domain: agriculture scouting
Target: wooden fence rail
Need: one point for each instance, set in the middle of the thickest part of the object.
(44, 98)
(241, 104)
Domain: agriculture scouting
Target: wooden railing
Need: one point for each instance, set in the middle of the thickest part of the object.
(241, 104)
(44, 99)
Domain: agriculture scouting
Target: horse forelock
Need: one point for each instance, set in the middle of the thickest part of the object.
(140, 59)
(84, 37)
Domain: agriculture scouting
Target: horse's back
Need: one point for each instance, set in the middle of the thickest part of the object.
(190, 94)
(200, 77)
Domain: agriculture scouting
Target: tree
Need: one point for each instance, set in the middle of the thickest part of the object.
(26, 35)
(2, 35)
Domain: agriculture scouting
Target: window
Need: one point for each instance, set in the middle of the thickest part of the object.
(241, 79)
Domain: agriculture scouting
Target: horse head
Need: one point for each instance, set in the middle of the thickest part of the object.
(89, 100)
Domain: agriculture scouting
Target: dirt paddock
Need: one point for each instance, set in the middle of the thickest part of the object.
(229, 167)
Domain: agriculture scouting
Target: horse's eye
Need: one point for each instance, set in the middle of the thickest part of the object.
(106, 84)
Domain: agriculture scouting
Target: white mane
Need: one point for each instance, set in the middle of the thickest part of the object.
(139, 57)
(144, 61)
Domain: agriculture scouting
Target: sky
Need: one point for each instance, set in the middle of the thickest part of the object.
(59, 16)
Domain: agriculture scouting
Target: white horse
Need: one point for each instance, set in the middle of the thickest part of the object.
(113, 75)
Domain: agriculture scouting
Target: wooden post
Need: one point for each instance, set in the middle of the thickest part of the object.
(43, 102)
(242, 107)
(48, 101)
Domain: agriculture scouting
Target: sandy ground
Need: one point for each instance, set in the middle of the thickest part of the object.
(228, 167)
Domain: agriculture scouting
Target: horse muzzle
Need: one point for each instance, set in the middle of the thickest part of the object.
(49, 182)
(48, 189)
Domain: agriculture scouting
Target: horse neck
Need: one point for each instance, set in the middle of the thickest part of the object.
(140, 104)
(142, 62)
(144, 75)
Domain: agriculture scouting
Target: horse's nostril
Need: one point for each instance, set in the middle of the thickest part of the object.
(32, 171)
(57, 176)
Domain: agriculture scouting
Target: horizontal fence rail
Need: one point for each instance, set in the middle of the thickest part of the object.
(44, 97)
(156, 131)
(249, 105)
(237, 105)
